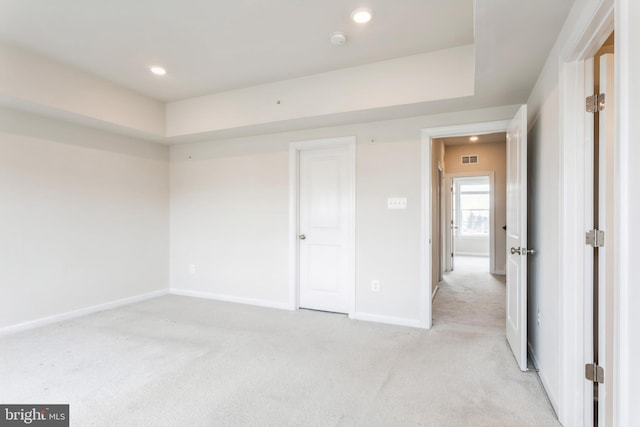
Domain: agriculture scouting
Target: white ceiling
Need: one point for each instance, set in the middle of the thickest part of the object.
(482, 139)
(210, 46)
(215, 45)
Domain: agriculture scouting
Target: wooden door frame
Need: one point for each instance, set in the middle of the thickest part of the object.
(294, 214)
(426, 234)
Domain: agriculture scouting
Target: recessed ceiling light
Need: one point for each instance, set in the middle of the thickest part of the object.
(158, 71)
(473, 139)
(362, 15)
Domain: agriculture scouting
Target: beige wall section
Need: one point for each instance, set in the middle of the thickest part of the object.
(84, 218)
(46, 84)
(230, 214)
(413, 79)
(492, 157)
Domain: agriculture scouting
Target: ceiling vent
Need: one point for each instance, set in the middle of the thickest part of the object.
(469, 159)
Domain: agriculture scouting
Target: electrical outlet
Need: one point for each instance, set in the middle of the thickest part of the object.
(192, 269)
(375, 285)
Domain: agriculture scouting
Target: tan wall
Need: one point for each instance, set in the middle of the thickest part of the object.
(492, 157)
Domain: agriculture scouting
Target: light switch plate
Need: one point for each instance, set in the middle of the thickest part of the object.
(397, 203)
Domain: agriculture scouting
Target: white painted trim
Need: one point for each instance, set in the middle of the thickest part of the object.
(445, 260)
(532, 355)
(44, 321)
(294, 167)
(625, 378)
(426, 254)
(576, 192)
(232, 299)
(543, 379)
(390, 320)
(428, 135)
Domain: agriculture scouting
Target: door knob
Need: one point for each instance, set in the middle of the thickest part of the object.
(302, 237)
(522, 251)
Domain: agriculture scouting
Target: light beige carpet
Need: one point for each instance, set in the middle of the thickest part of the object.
(178, 361)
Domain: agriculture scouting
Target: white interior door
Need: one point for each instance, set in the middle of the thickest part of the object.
(325, 202)
(605, 254)
(452, 224)
(517, 251)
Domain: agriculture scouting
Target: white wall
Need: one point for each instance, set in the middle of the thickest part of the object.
(83, 218)
(472, 246)
(230, 213)
(544, 227)
(627, 392)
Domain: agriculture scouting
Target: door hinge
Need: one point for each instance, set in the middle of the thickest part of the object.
(594, 373)
(595, 238)
(595, 103)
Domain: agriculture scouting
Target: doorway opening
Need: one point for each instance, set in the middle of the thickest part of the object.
(515, 235)
(601, 286)
(471, 218)
(472, 207)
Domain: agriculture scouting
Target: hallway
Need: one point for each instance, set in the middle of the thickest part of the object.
(470, 304)
(470, 295)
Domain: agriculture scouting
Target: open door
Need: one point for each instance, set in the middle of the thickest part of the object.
(517, 251)
(452, 226)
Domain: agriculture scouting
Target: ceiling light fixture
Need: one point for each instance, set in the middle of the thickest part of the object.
(473, 139)
(362, 15)
(158, 71)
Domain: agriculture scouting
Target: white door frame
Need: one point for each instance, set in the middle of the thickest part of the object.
(294, 196)
(426, 235)
(492, 212)
(576, 193)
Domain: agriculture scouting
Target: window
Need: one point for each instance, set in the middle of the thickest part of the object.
(473, 212)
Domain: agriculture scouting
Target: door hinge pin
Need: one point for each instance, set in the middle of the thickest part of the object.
(595, 238)
(595, 103)
(594, 373)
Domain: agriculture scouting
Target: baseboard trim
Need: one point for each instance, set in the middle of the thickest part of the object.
(541, 375)
(532, 355)
(231, 298)
(500, 272)
(44, 321)
(435, 291)
(391, 320)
